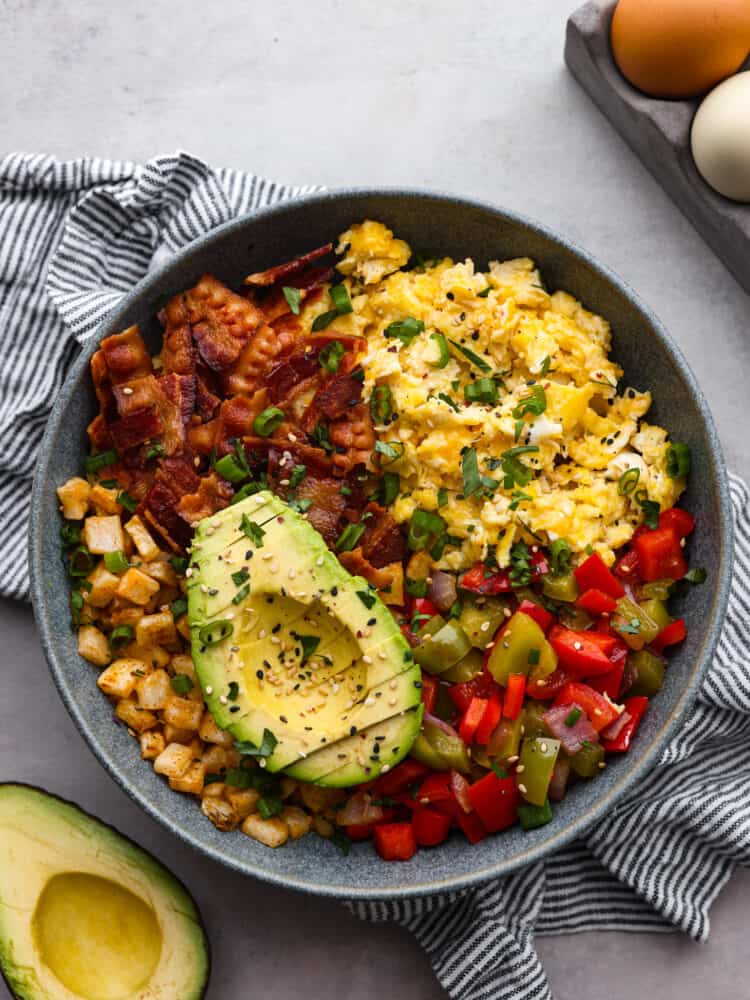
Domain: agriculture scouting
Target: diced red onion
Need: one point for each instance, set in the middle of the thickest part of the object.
(359, 810)
(558, 785)
(460, 789)
(440, 724)
(442, 590)
(614, 729)
(499, 737)
(629, 677)
(572, 737)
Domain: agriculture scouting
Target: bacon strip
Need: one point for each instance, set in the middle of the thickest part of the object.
(274, 274)
(353, 438)
(212, 494)
(258, 357)
(358, 565)
(383, 542)
(135, 428)
(222, 322)
(126, 356)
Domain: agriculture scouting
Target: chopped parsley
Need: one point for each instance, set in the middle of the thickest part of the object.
(309, 644)
(181, 683)
(367, 599)
(266, 748)
(298, 474)
(678, 461)
(252, 530)
(293, 298)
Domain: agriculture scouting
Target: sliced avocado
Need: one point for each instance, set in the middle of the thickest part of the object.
(86, 913)
(285, 640)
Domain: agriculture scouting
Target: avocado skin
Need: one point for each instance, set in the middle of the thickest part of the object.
(18, 988)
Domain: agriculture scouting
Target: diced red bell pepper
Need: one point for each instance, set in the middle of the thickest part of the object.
(424, 606)
(395, 841)
(408, 772)
(480, 686)
(596, 602)
(611, 683)
(430, 826)
(515, 690)
(490, 719)
(430, 686)
(472, 718)
(679, 520)
(495, 801)
(636, 708)
(660, 555)
(541, 616)
(479, 580)
(580, 653)
(626, 566)
(548, 687)
(360, 831)
(599, 711)
(594, 575)
(472, 826)
(606, 641)
(436, 791)
(673, 633)
(539, 564)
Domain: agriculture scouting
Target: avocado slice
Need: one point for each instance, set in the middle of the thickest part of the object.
(85, 912)
(285, 640)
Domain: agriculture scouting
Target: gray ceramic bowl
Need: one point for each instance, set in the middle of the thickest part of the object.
(459, 228)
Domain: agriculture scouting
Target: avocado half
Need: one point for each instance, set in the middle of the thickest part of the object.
(285, 641)
(86, 914)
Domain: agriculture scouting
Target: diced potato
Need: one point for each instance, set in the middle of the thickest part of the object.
(394, 595)
(182, 663)
(174, 735)
(126, 614)
(135, 717)
(174, 760)
(103, 534)
(191, 782)
(183, 627)
(74, 498)
(93, 645)
(220, 812)
(210, 733)
(161, 571)
(297, 820)
(213, 790)
(121, 677)
(288, 787)
(152, 743)
(215, 759)
(142, 539)
(419, 566)
(244, 800)
(183, 713)
(317, 799)
(103, 500)
(153, 692)
(157, 656)
(271, 832)
(136, 586)
(322, 827)
(103, 586)
(156, 629)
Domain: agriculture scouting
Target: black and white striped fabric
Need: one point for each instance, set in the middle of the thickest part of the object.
(73, 238)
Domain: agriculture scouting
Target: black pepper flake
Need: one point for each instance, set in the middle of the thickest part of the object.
(334, 591)
(449, 295)
(276, 628)
(269, 600)
(341, 756)
(259, 674)
(267, 664)
(353, 731)
(234, 708)
(249, 554)
(417, 684)
(283, 592)
(372, 621)
(360, 687)
(308, 729)
(284, 718)
(475, 336)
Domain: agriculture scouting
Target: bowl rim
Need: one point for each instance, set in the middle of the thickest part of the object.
(503, 866)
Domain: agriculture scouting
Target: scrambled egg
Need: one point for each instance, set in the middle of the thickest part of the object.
(540, 363)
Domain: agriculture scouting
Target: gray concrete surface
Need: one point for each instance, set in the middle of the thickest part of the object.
(397, 92)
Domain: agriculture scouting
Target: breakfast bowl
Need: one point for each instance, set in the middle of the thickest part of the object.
(462, 229)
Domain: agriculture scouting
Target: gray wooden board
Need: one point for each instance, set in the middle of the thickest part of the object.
(658, 131)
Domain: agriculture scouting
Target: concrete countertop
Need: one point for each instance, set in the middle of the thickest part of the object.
(400, 92)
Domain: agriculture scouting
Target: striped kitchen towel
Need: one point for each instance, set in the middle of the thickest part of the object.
(76, 236)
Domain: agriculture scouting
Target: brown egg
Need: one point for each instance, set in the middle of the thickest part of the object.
(680, 48)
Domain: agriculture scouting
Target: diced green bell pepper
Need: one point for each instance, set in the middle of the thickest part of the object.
(444, 708)
(657, 588)
(656, 611)
(538, 758)
(442, 649)
(649, 673)
(439, 750)
(586, 762)
(506, 739)
(634, 624)
(465, 670)
(532, 817)
(431, 626)
(480, 621)
(560, 588)
(533, 723)
(512, 653)
(574, 618)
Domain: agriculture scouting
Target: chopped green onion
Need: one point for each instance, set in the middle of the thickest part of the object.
(484, 390)
(266, 748)
(392, 450)
(342, 840)
(268, 421)
(236, 777)
(471, 356)
(309, 644)
(544, 371)
(447, 399)
(381, 405)
(499, 771)
(116, 562)
(181, 683)
(215, 632)
(387, 489)
(425, 526)
(561, 555)
(367, 598)
(330, 356)
(101, 460)
(444, 354)
(572, 717)
(293, 298)
(125, 500)
(473, 481)
(81, 562)
(240, 577)
(246, 491)
(323, 320)
(300, 505)
(321, 438)
(70, 534)
(534, 656)
(485, 292)
(678, 461)
(340, 298)
(628, 481)
(121, 636)
(298, 474)
(155, 450)
(696, 575)
(535, 403)
(179, 563)
(178, 607)
(349, 537)
(404, 330)
(417, 588)
(231, 469)
(241, 594)
(268, 807)
(650, 509)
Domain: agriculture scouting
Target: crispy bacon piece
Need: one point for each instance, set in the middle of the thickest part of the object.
(222, 322)
(274, 302)
(178, 392)
(178, 350)
(135, 428)
(383, 542)
(236, 417)
(336, 398)
(353, 439)
(175, 478)
(212, 494)
(98, 433)
(327, 504)
(358, 565)
(284, 271)
(125, 355)
(258, 357)
(286, 376)
(286, 454)
(206, 402)
(171, 398)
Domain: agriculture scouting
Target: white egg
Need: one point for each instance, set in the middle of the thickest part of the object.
(720, 138)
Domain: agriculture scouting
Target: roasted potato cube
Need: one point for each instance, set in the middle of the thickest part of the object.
(74, 498)
(174, 735)
(220, 812)
(104, 500)
(137, 587)
(103, 534)
(297, 820)
(93, 645)
(156, 629)
(182, 663)
(153, 691)
(121, 677)
(135, 717)
(213, 789)
(288, 787)
(183, 713)
(271, 832)
(317, 799)
(144, 543)
(394, 595)
(244, 800)
(161, 571)
(183, 627)
(103, 586)
(157, 656)
(322, 827)
(126, 614)
(152, 743)
(191, 782)
(215, 759)
(210, 733)
(174, 760)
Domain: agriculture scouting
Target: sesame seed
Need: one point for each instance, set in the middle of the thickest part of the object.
(262, 634)
(512, 760)
(223, 699)
(367, 632)
(209, 689)
(319, 561)
(602, 764)
(392, 701)
(274, 567)
(367, 659)
(204, 588)
(385, 769)
(520, 769)
(507, 612)
(522, 789)
(577, 645)
(189, 571)
(544, 748)
(382, 655)
(485, 626)
(267, 556)
(292, 574)
(292, 437)
(127, 391)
